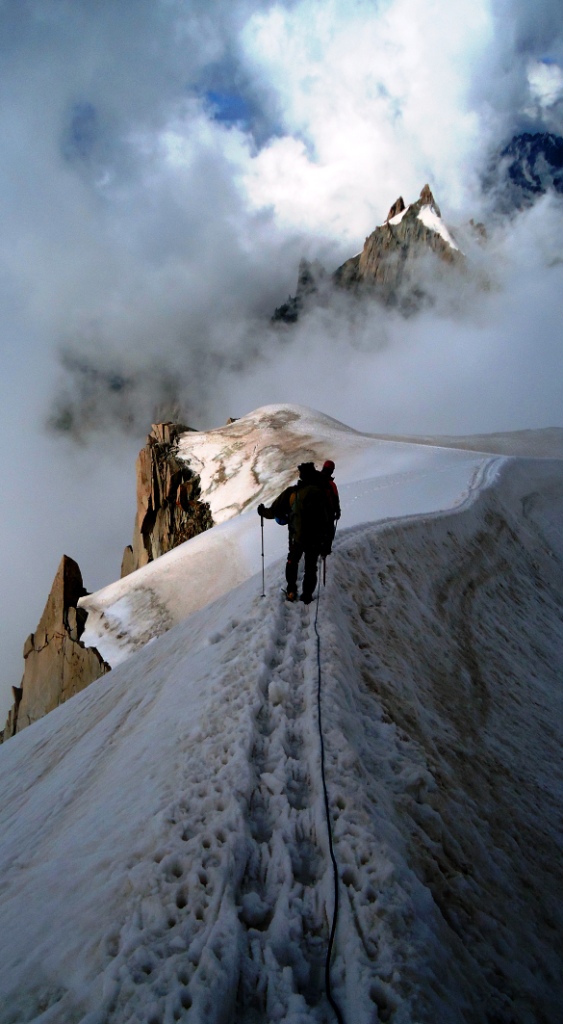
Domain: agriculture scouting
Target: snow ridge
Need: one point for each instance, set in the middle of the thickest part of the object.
(173, 811)
(249, 461)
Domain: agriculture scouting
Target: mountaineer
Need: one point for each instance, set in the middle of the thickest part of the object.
(333, 496)
(306, 508)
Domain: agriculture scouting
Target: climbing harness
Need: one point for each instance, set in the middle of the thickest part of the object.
(328, 986)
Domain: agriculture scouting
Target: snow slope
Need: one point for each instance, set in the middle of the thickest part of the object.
(164, 851)
(250, 461)
(431, 220)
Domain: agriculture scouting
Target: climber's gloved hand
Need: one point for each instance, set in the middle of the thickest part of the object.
(261, 509)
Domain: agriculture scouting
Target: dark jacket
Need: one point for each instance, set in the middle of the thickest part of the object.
(308, 510)
(310, 520)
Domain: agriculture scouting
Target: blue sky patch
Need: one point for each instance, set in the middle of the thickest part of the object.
(229, 107)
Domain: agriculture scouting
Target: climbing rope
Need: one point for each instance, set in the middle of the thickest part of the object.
(263, 574)
(328, 986)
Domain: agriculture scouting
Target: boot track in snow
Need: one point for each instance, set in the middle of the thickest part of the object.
(242, 935)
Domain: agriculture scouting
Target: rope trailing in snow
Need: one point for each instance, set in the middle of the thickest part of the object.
(263, 575)
(328, 986)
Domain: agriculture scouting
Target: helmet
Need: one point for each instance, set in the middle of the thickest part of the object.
(329, 466)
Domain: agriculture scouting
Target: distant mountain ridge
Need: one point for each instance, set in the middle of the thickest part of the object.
(528, 167)
(389, 264)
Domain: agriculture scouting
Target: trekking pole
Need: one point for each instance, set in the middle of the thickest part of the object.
(324, 570)
(263, 575)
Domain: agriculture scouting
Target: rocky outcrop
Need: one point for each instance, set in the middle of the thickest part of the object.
(311, 276)
(390, 265)
(169, 511)
(397, 207)
(57, 664)
(169, 505)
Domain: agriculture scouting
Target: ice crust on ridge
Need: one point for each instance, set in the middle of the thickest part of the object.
(249, 461)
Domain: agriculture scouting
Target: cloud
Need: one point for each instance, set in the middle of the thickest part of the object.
(484, 357)
(546, 82)
(506, 89)
(374, 98)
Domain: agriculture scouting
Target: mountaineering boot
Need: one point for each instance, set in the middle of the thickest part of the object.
(291, 595)
(306, 598)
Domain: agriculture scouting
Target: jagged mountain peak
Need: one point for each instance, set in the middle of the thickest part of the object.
(57, 665)
(388, 266)
(427, 199)
(397, 207)
(425, 209)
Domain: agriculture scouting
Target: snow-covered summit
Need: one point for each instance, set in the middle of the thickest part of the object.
(430, 219)
(425, 210)
(393, 263)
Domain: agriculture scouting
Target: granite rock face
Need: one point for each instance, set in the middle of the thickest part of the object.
(388, 261)
(169, 506)
(391, 265)
(57, 664)
(169, 511)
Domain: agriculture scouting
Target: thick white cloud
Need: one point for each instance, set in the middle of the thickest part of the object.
(546, 82)
(373, 99)
(482, 359)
